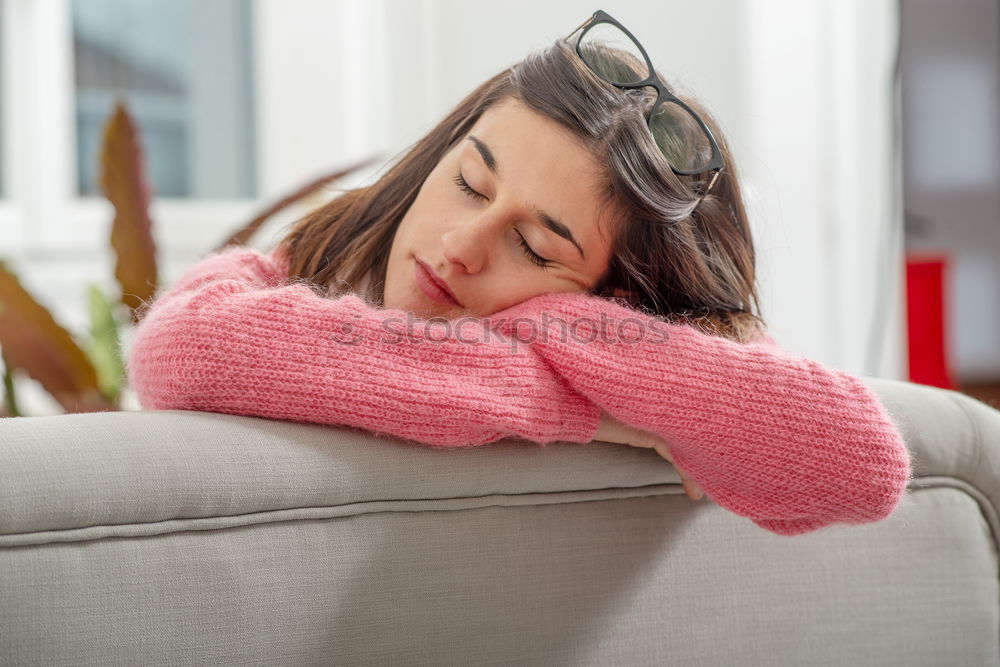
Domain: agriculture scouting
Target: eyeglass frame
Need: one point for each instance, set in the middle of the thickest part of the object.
(663, 94)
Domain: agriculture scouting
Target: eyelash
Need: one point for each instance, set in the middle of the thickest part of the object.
(535, 258)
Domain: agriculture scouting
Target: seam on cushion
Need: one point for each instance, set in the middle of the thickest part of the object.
(960, 399)
(320, 512)
(977, 439)
(958, 484)
(986, 508)
(328, 512)
(977, 435)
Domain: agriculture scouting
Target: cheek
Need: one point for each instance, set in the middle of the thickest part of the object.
(415, 221)
(429, 210)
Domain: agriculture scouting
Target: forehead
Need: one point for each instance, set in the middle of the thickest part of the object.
(546, 167)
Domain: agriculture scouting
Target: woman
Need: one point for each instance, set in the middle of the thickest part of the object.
(565, 257)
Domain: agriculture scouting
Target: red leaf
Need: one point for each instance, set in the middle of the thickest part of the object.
(35, 343)
(124, 183)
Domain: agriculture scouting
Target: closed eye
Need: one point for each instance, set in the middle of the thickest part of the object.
(460, 181)
(535, 258)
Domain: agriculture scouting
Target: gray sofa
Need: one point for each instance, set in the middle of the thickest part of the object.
(188, 538)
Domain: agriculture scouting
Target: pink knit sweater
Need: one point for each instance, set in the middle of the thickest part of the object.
(782, 440)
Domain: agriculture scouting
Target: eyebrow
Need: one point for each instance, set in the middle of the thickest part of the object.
(547, 220)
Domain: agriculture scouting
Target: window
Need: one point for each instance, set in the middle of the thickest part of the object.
(184, 68)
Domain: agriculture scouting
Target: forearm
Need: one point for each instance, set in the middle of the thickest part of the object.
(251, 345)
(785, 441)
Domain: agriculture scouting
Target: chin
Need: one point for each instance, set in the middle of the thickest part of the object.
(440, 311)
(413, 304)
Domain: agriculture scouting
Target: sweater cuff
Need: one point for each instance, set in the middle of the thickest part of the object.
(581, 425)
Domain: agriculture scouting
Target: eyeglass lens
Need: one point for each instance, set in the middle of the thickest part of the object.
(677, 133)
(680, 137)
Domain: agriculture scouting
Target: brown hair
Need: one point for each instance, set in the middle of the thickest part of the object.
(676, 258)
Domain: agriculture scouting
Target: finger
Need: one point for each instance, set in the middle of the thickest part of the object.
(691, 487)
(663, 449)
(694, 492)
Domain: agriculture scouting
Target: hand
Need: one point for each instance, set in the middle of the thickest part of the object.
(612, 430)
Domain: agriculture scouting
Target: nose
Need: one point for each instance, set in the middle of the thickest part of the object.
(468, 243)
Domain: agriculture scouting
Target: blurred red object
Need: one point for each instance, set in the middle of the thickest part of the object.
(926, 325)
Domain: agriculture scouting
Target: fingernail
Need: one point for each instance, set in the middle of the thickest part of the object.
(693, 492)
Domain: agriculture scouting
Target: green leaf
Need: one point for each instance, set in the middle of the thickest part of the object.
(104, 349)
(10, 408)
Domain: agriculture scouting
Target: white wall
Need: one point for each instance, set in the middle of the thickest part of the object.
(818, 119)
(802, 89)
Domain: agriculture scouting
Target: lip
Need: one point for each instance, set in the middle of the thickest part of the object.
(434, 286)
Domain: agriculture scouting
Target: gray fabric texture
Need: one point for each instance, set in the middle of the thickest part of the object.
(184, 538)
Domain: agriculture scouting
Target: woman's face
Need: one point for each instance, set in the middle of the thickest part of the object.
(527, 182)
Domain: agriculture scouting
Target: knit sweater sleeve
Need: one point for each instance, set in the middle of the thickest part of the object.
(789, 443)
(234, 335)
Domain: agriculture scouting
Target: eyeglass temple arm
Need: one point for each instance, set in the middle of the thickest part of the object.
(711, 183)
(580, 26)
